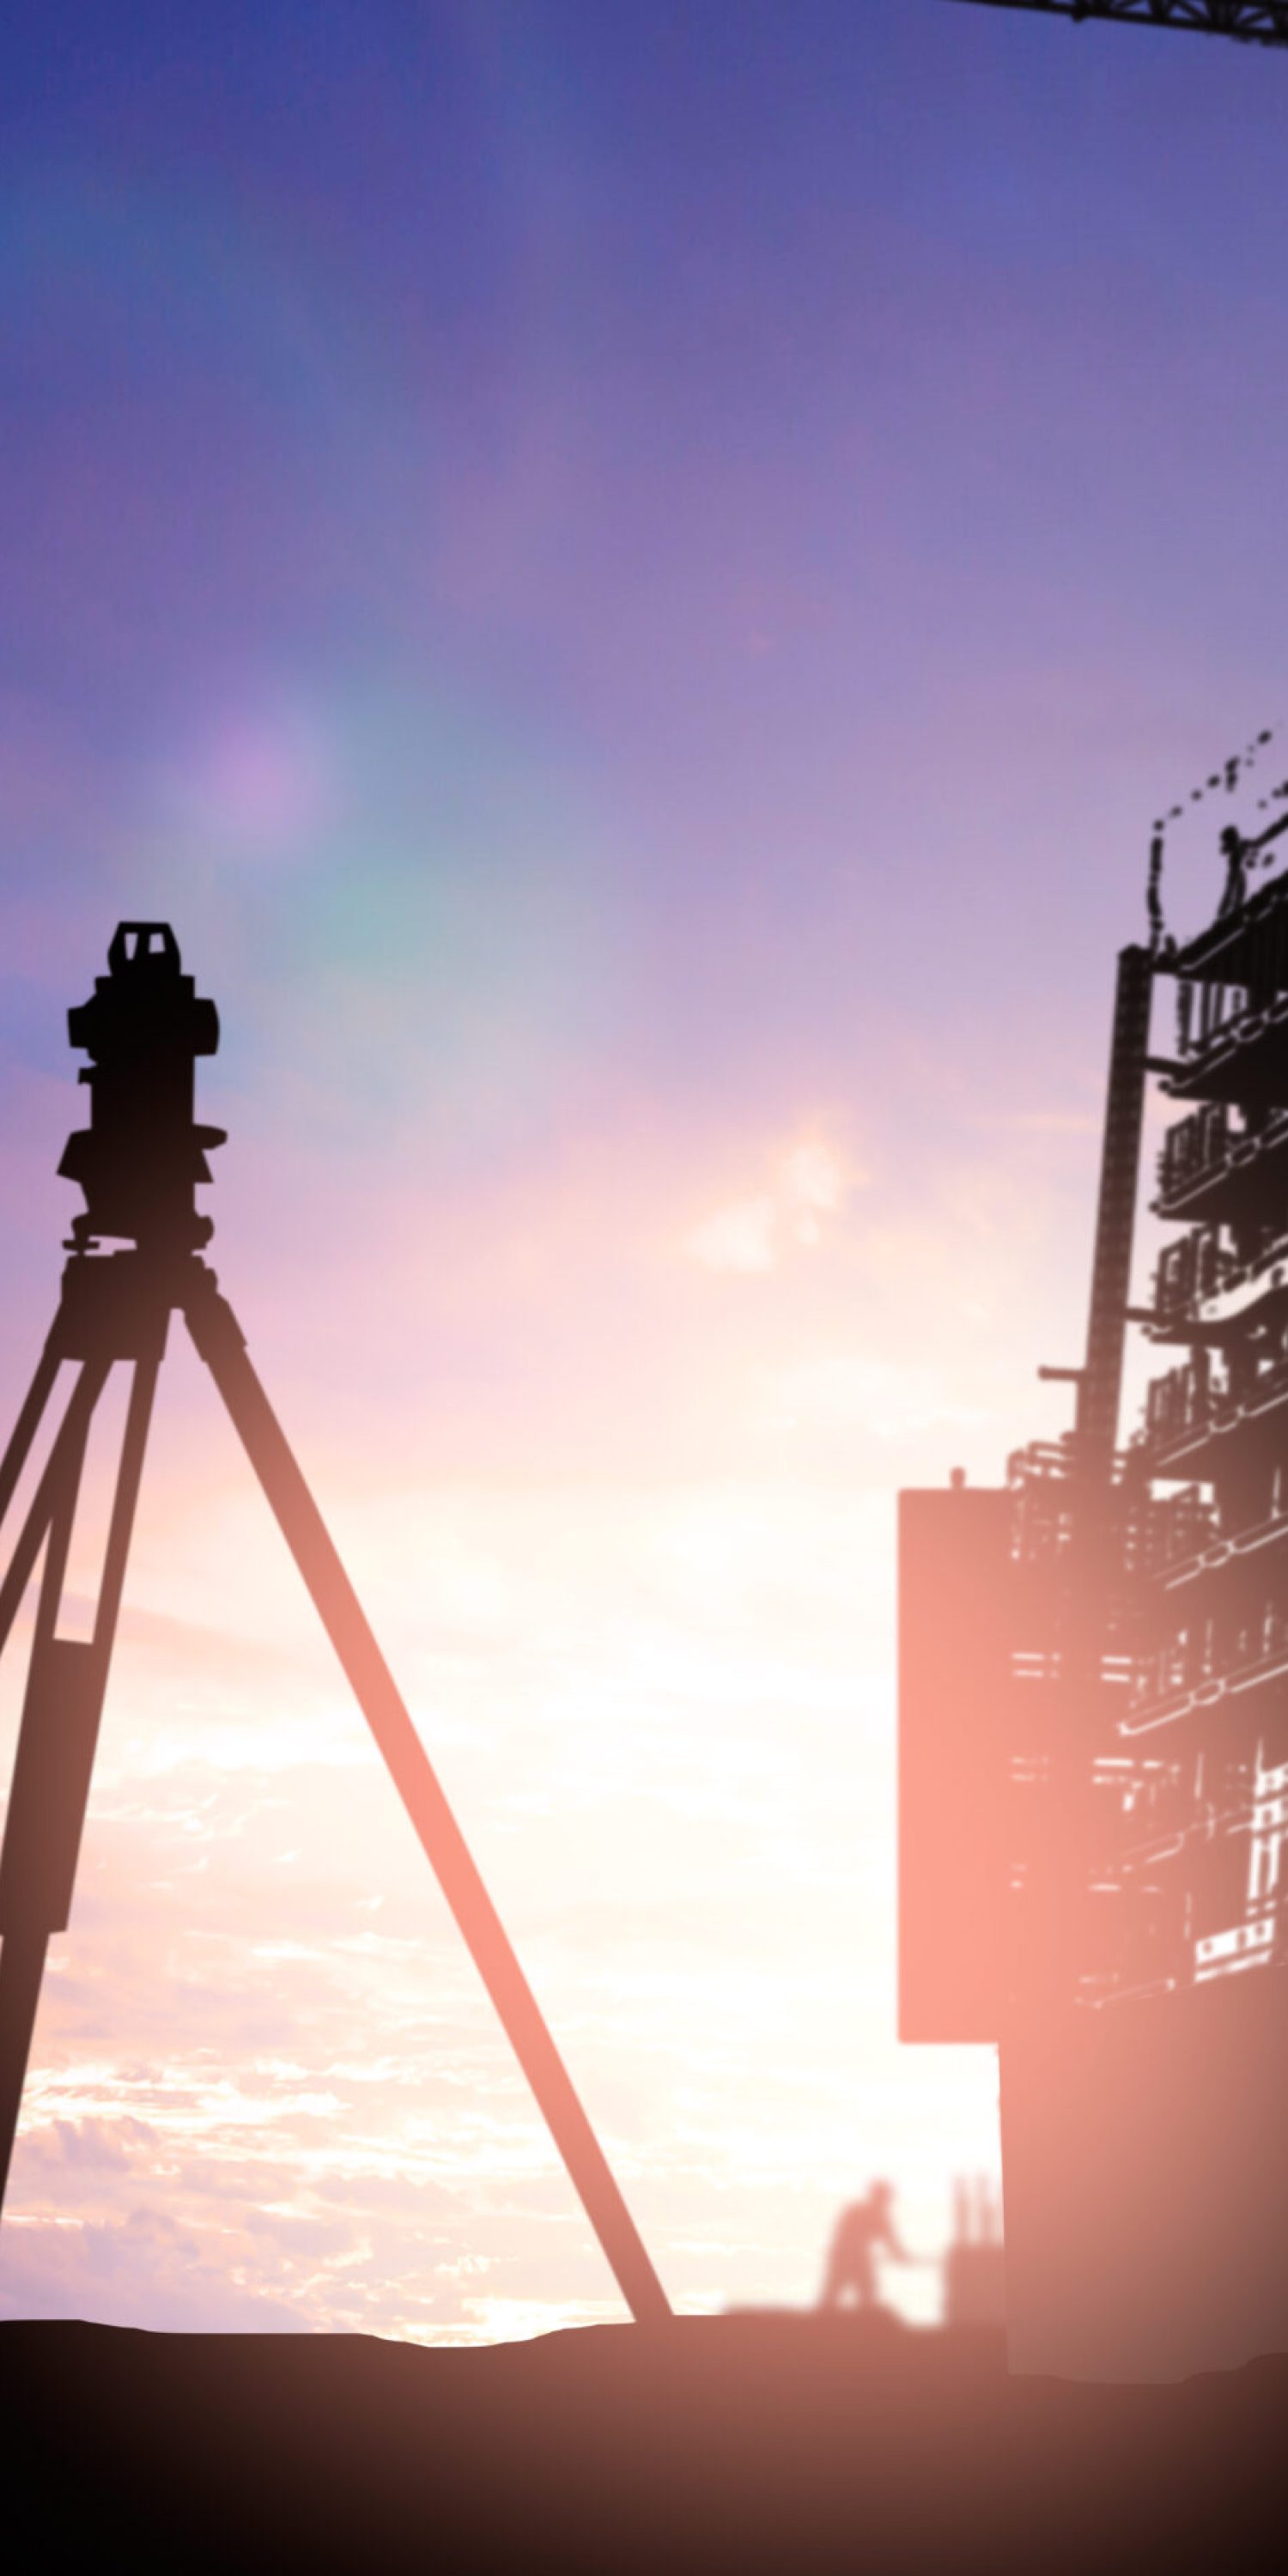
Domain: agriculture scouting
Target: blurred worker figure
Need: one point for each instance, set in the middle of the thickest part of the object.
(864, 2229)
(1236, 852)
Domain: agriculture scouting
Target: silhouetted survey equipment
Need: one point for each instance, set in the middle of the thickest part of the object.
(139, 1163)
(1251, 22)
(1094, 1725)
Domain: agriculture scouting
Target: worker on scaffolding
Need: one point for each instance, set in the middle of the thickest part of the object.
(1237, 850)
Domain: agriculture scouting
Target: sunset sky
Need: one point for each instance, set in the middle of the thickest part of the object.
(632, 579)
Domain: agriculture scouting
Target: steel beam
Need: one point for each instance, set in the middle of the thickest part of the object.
(1250, 22)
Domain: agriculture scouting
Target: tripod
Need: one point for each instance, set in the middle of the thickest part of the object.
(137, 1165)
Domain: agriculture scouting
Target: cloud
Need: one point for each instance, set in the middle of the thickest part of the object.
(738, 1237)
(853, 1390)
(811, 1182)
(1046, 1122)
(137, 2270)
(91, 2146)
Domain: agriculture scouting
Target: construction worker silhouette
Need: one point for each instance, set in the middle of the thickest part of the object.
(1238, 851)
(861, 2230)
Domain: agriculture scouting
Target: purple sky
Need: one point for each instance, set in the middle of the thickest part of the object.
(632, 580)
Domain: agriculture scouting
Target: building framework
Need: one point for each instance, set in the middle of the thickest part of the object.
(1094, 1724)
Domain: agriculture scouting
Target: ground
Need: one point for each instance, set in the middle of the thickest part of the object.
(755, 2442)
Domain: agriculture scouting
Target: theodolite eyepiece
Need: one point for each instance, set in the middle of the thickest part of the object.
(142, 1156)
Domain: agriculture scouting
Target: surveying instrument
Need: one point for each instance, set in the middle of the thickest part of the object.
(138, 1164)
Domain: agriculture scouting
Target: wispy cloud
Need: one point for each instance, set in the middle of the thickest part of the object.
(810, 1184)
(863, 1391)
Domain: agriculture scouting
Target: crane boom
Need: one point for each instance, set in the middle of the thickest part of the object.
(1253, 22)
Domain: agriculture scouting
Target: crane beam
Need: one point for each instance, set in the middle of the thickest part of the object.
(1252, 22)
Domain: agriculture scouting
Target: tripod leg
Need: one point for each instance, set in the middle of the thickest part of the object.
(66, 1685)
(27, 1424)
(219, 1340)
(65, 1457)
(129, 1476)
(22, 1969)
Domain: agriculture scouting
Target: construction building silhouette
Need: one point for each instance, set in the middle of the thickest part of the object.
(1116, 1732)
(1094, 1724)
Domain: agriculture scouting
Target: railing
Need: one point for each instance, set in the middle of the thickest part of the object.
(1184, 1399)
(1205, 1014)
(1195, 1149)
(1240, 1648)
(1170, 1529)
(1196, 1267)
(1039, 1480)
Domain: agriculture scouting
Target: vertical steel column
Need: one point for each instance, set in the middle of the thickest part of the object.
(1100, 1388)
(1055, 1956)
